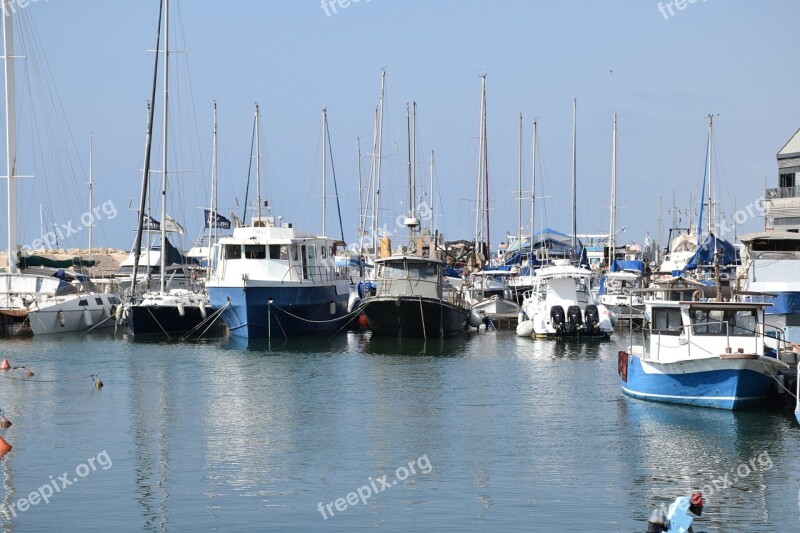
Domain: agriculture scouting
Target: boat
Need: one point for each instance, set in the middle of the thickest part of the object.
(412, 299)
(561, 305)
(271, 280)
(166, 311)
(488, 292)
(703, 353)
(618, 290)
(797, 394)
(47, 299)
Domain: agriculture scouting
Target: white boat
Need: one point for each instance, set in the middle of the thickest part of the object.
(561, 305)
(53, 302)
(703, 353)
(616, 292)
(488, 292)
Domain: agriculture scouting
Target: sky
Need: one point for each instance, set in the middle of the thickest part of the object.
(662, 71)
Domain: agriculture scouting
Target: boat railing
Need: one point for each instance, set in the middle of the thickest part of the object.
(315, 273)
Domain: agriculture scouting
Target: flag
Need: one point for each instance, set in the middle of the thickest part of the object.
(221, 222)
(151, 224)
(173, 226)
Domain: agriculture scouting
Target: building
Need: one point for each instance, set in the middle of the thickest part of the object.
(782, 206)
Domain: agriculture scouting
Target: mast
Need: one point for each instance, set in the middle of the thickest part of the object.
(519, 195)
(710, 224)
(533, 185)
(258, 161)
(410, 189)
(324, 169)
(376, 206)
(212, 226)
(11, 135)
(91, 224)
(481, 225)
(163, 277)
(486, 176)
(660, 229)
(574, 175)
(430, 198)
(360, 185)
(413, 205)
(612, 236)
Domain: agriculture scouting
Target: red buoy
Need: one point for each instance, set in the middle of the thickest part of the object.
(362, 321)
(5, 364)
(4, 446)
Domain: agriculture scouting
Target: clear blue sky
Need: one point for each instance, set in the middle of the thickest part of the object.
(728, 57)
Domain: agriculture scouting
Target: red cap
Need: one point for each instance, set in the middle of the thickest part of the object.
(696, 499)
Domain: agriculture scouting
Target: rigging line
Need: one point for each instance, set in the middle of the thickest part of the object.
(249, 171)
(156, 320)
(14, 378)
(335, 187)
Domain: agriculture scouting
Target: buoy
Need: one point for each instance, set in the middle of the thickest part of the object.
(61, 321)
(5, 365)
(362, 320)
(29, 372)
(4, 446)
(525, 328)
(475, 319)
(87, 317)
(203, 312)
(5, 423)
(181, 309)
(98, 383)
(118, 313)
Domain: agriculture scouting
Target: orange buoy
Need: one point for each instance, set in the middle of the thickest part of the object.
(4, 446)
(362, 321)
(5, 365)
(5, 423)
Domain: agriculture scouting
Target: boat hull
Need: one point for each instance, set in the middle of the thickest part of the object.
(295, 310)
(153, 320)
(719, 383)
(409, 316)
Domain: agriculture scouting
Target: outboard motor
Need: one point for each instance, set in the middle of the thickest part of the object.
(592, 319)
(575, 319)
(557, 319)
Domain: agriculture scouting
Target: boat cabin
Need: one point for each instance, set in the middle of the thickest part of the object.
(409, 276)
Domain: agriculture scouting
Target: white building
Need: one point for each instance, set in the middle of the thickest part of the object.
(783, 203)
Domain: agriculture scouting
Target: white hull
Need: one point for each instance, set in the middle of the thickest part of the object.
(66, 314)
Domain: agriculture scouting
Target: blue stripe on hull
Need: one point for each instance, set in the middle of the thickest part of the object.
(250, 315)
(722, 389)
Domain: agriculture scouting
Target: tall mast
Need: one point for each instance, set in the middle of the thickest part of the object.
(574, 175)
(533, 184)
(486, 175)
(360, 185)
(376, 206)
(324, 170)
(612, 236)
(163, 277)
(430, 198)
(212, 226)
(413, 205)
(710, 224)
(482, 197)
(11, 134)
(91, 224)
(258, 161)
(519, 195)
(410, 189)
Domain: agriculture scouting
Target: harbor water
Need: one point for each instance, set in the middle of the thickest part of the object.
(485, 432)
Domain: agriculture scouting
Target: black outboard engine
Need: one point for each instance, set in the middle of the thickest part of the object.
(575, 319)
(557, 319)
(592, 319)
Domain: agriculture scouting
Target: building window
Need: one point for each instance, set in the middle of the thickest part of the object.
(786, 180)
(787, 221)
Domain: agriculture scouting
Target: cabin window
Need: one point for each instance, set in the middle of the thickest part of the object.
(294, 252)
(740, 323)
(98, 301)
(324, 250)
(233, 251)
(279, 251)
(311, 252)
(667, 321)
(83, 302)
(255, 251)
(422, 271)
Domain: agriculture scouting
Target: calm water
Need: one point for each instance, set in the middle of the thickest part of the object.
(514, 434)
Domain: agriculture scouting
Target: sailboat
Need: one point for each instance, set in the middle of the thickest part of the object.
(270, 279)
(56, 303)
(162, 311)
(412, 297)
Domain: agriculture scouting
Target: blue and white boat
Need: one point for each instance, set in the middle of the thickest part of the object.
(703, 353)
(278, 281)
